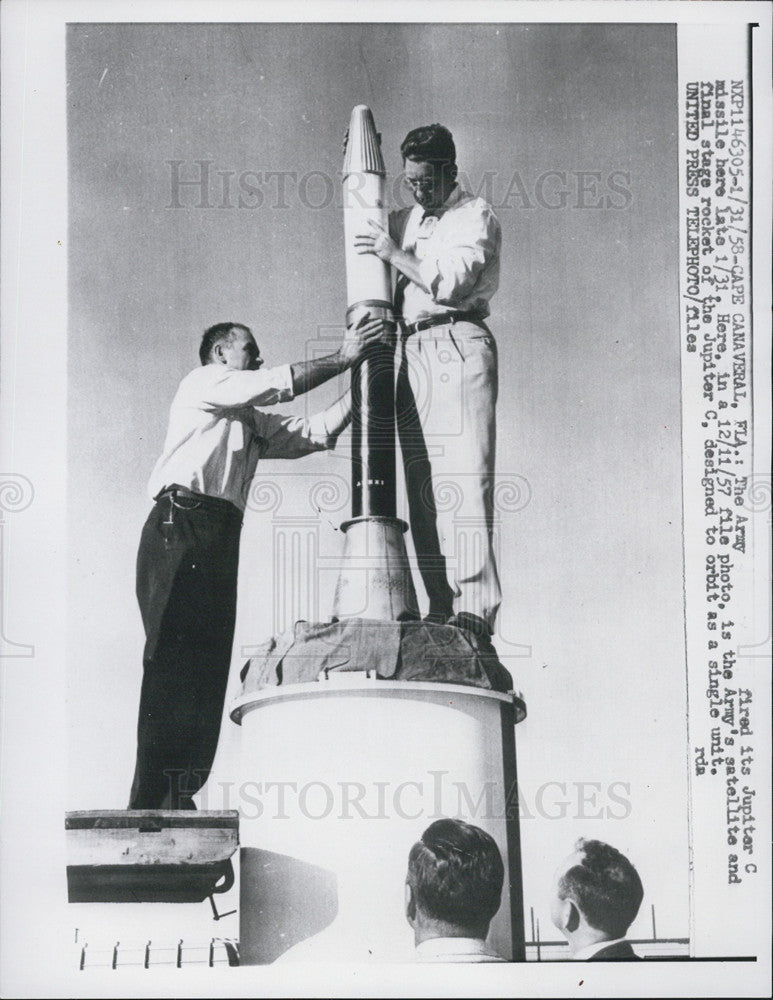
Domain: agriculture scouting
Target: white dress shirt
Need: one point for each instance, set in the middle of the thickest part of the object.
(590, 950)
(216, 435)
(458, 247)
(455, 949)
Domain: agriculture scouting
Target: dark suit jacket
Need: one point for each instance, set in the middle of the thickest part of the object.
(620, 952)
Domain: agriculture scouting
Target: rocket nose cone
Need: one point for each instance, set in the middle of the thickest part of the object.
(363, 147)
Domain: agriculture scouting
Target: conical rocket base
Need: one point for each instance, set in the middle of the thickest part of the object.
(375, 579)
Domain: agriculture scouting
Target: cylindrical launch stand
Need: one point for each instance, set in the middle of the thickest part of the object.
(344, 776)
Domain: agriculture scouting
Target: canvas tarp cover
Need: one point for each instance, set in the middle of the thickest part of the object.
(404, 651)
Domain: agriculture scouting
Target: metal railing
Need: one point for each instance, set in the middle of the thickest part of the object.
(225, 951)
(557, 950)
(215, 952)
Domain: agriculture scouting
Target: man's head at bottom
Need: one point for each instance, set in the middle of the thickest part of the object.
(454, 882)
(596, 894)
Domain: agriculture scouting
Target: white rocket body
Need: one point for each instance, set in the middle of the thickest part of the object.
(368, 279)
(375, 579)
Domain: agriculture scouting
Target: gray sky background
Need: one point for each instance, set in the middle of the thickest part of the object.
(587, 327)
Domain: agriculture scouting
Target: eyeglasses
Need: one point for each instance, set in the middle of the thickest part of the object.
(420, 184)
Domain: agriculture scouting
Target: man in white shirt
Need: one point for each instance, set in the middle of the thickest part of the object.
(445, 252)
(452, 890)
(595, 897)
(189, 551)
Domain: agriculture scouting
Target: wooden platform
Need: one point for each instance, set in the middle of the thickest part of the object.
(144, 855)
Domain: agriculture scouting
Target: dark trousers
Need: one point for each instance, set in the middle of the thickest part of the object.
(186, 587)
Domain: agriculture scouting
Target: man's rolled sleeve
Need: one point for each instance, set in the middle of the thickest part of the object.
(293, 437)
(265, 387)
(321, 429)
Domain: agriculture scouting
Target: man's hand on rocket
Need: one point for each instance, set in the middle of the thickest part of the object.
(364, 334)
(377, 241)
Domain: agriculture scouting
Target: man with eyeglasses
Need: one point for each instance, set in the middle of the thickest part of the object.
(445, 252)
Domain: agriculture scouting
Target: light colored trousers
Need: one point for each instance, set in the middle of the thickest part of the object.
(445, 400)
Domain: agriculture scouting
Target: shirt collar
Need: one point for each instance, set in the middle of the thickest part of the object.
(590, 950)
(451, 201)
(453, 946)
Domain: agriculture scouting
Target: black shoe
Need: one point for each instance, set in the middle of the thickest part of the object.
(470, 623)
(479, 629)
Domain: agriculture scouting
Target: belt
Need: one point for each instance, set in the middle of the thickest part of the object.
(202, 500)
(444, 319)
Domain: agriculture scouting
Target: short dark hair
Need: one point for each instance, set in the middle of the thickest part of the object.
(216, 335)
(430, 144)
(605, 886)
(456, 873)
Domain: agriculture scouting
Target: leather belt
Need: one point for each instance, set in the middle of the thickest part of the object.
(444, 319)
(211, 503)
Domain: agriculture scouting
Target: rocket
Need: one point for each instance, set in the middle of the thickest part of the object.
(368, 279)
(369, 290)
(375, 579)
